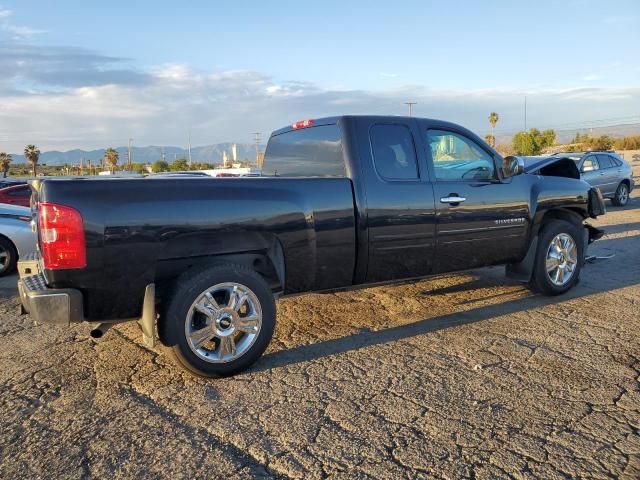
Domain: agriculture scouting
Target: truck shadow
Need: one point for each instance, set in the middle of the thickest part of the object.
(602, 276)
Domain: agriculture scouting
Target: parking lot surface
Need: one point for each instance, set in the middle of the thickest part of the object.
(467, 375)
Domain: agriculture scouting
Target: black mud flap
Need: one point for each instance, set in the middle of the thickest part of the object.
(522, 271)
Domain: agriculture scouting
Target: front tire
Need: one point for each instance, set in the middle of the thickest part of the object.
(219, 320)
(559, 258)
(621, 198)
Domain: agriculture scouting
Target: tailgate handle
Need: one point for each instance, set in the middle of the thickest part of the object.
(452, 198)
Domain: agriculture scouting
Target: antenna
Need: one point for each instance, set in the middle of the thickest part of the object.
(189, 148)
(525, 113)
(410, 104)
(163, 156)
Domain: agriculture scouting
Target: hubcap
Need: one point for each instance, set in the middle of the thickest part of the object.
(4, 259)
(562, 259)
(623, 195)
(223, 322)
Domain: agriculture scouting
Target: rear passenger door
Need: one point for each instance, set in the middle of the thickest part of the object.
(608, 174)
(399, 196)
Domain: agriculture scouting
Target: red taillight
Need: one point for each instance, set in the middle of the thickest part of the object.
(302, 124)
(61, 237)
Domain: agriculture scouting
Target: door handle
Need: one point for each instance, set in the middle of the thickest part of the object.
(452, 198)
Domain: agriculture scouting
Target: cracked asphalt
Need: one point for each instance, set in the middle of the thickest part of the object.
(461, 376)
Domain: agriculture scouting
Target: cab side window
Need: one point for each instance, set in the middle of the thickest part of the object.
(605, 161)
(393, 151)
(590, 164)
(458, 158)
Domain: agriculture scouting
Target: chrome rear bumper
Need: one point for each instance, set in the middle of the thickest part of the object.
(60, 306)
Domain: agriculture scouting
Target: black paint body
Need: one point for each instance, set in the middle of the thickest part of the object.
(312, 234)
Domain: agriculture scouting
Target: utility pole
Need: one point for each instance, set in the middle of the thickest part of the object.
(525, 113)
(162, 150)
(410, 104)
(189, 148)
(129, 154)
(257, 136)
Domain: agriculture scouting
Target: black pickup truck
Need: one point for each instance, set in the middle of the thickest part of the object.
(344, 201)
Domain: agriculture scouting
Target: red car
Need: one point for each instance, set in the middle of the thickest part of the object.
(16, 195)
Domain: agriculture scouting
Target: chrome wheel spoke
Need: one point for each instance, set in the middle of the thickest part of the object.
(552, 263)
(211, 301)
(227, 347)
(198, 337)
(248, 324)
(203, 310)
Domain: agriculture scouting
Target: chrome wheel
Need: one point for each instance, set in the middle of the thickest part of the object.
(562, 259)
(623, 194)
(223, 322)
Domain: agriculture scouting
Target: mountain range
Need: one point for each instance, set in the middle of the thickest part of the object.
(205, 153)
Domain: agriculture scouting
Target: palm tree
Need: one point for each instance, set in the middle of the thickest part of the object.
(32, 154)
(111, 157)
(493, 119)
(5, 160)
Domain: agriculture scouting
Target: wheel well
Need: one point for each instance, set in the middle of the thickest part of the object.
(13, 245)
(568, 215)
(268, 264)
(627, 182)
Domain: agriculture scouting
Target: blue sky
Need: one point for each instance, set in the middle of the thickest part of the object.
(91, 73)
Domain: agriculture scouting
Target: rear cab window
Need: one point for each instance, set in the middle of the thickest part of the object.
(394, 154)
(307, 152)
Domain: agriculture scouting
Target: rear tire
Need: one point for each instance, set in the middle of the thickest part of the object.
(559, 258)
(8, 257)
(219, 320)
(621, 198)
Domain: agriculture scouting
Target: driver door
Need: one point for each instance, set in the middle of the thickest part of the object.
(481, 219)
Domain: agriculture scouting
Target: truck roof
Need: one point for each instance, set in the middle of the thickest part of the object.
(334, 119)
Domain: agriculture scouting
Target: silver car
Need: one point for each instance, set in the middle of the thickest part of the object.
(16, 236)
(607, 171)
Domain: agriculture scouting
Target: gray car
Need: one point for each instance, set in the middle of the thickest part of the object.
(16, 236)
(607, 171)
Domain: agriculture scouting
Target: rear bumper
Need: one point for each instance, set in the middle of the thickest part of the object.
(60, 306)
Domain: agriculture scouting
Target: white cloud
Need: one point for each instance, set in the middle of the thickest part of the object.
(22, 31)
(101, 108)
(592, 77)
(5, 13)
(388, 75)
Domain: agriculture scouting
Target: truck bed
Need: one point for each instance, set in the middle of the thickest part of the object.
(140, 231)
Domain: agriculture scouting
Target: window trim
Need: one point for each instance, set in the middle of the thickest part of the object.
(497, 176)
(418, 179)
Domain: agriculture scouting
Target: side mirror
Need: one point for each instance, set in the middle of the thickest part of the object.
(512, 166)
